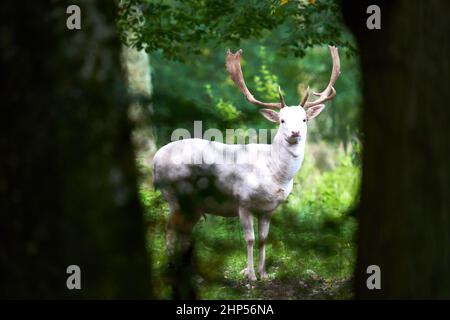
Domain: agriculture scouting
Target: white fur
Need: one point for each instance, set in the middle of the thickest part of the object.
(255, 184)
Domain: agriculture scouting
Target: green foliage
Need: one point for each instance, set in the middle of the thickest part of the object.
(182, 28)
(310, 246)
(199, 32)
(226, 109)
(267, 83)
(202, 90)
(155, 215)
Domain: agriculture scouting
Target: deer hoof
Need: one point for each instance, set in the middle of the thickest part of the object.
(250, 275)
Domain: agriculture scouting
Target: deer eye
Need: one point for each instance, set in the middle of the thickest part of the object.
(304, 120)
(282, 120)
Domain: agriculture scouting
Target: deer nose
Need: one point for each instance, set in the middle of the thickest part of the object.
(295, 133)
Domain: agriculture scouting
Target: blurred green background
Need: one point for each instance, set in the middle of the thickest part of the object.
(310, 251)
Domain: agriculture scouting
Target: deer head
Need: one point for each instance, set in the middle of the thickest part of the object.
(292, 120)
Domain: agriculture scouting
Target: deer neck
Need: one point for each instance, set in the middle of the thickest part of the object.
(286, 159)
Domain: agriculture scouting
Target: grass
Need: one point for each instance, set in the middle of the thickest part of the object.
(310, 251)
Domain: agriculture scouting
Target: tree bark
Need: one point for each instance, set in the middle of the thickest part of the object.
(68, 178)
(137, 66)
(404, 212)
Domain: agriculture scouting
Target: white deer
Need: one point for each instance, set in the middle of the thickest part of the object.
(194, 178)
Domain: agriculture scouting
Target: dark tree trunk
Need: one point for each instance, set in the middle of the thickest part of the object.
(68, 180)
(404, 213)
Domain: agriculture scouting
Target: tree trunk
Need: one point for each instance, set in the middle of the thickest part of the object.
(404, 213)
(68, 179)
(137, 67)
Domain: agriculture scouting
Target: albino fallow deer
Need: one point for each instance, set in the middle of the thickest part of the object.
(195, 180)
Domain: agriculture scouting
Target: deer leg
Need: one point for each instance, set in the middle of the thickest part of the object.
(178, 230)
(171, 234)
(246, 218)
(180, 269)
(263, 229)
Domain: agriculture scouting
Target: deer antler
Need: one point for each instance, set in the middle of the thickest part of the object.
(329, 92)
(233, 66)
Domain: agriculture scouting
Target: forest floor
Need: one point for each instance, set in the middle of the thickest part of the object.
(305, 260)
(295, 289)
(304, 288)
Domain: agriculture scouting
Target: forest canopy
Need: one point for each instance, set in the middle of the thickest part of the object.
(284, 43)
(182, 28)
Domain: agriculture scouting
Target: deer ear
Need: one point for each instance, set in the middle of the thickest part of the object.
(313, 112)
(270, 115)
